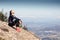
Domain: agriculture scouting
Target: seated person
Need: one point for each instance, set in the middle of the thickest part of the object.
(12, 20)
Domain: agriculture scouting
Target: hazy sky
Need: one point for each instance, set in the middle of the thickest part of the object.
(32, 8)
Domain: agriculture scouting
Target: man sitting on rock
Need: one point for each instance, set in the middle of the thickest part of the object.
(13, 20)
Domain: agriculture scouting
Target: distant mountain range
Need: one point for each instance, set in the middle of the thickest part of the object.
(53, 28)
(46, 31)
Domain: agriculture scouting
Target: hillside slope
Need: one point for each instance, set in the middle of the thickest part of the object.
(8, 33)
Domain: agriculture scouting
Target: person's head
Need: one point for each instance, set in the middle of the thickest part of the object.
(11, 12)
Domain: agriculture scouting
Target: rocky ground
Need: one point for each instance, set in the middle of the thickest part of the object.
(8, 33)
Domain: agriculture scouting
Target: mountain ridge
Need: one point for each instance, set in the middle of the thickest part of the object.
(8, 33)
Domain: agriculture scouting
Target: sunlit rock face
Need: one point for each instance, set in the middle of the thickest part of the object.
(8, 33)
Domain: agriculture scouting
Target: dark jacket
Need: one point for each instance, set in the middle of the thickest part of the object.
(12, 19)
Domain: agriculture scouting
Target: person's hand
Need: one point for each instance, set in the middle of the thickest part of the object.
(20, 22)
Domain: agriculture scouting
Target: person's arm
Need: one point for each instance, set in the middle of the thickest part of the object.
(20, 21)
(15, 18)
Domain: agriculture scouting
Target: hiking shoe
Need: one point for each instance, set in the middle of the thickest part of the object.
(18, 29)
